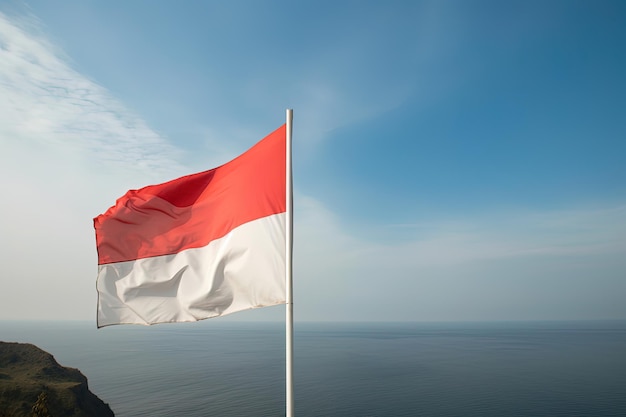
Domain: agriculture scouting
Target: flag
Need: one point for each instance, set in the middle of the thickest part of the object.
(200, 246)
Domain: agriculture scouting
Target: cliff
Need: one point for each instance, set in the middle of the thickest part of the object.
(27, 371)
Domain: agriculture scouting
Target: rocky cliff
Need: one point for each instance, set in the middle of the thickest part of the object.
(27, 371)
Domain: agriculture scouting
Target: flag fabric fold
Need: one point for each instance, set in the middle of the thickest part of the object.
(199, 246)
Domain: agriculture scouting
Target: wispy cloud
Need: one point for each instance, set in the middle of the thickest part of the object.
(68, 148)
(519, 233)
(451, 269)
(503, 235)
(46, 102)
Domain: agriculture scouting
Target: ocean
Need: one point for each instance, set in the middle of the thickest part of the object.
(226, 368)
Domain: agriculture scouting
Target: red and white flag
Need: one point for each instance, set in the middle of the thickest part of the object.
(199, 246)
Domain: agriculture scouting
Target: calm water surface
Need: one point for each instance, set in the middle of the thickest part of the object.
(225, 368)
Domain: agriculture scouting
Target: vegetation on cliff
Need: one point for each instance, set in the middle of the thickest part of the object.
(32, 383)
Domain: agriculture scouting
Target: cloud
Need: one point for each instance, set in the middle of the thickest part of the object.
(511, 234)
(46, 103)
(509, 265)
(67, 150)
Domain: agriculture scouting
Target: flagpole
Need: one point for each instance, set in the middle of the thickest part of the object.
(289, 275)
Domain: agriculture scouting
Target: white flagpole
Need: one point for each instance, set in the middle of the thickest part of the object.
(289, 275)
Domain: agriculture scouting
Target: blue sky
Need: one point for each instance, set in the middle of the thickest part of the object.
(452, 160)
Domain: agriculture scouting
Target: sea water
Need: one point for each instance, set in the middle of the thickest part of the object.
(226, 368)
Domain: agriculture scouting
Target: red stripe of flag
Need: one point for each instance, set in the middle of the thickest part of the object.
(191, 211)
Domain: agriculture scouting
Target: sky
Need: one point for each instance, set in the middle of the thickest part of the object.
(453, 160)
